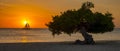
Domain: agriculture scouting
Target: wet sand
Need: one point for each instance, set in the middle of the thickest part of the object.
(60, 46)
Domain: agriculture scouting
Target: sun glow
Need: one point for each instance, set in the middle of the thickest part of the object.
(25, 22)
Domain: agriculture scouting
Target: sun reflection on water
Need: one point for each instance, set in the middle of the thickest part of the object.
(24, 39)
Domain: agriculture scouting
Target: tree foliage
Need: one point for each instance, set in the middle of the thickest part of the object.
(71, 21)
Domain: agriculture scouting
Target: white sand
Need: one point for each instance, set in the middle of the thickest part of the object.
(60, 46)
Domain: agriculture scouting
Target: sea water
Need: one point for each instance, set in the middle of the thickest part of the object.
(44, 35)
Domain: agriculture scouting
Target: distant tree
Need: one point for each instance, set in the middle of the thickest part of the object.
(83, 21)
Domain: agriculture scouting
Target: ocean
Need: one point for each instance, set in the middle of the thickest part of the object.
(44, 35)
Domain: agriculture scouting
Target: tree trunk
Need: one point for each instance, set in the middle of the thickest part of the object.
(87, 38)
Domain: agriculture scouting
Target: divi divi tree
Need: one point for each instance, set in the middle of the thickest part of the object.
(82, 20)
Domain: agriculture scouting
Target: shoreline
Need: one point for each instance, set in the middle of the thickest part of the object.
(97, 42)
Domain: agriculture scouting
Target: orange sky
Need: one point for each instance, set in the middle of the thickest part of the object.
(13, 13)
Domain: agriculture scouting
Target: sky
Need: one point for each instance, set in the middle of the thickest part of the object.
(13, 13)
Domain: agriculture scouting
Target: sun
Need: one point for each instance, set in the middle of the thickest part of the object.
(25, 22)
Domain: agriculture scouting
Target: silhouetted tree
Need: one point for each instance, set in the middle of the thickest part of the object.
(82, 20)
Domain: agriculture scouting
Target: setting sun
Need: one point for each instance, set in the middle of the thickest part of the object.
(25, 22)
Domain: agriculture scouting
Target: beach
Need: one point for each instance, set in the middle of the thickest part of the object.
(60, 46)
